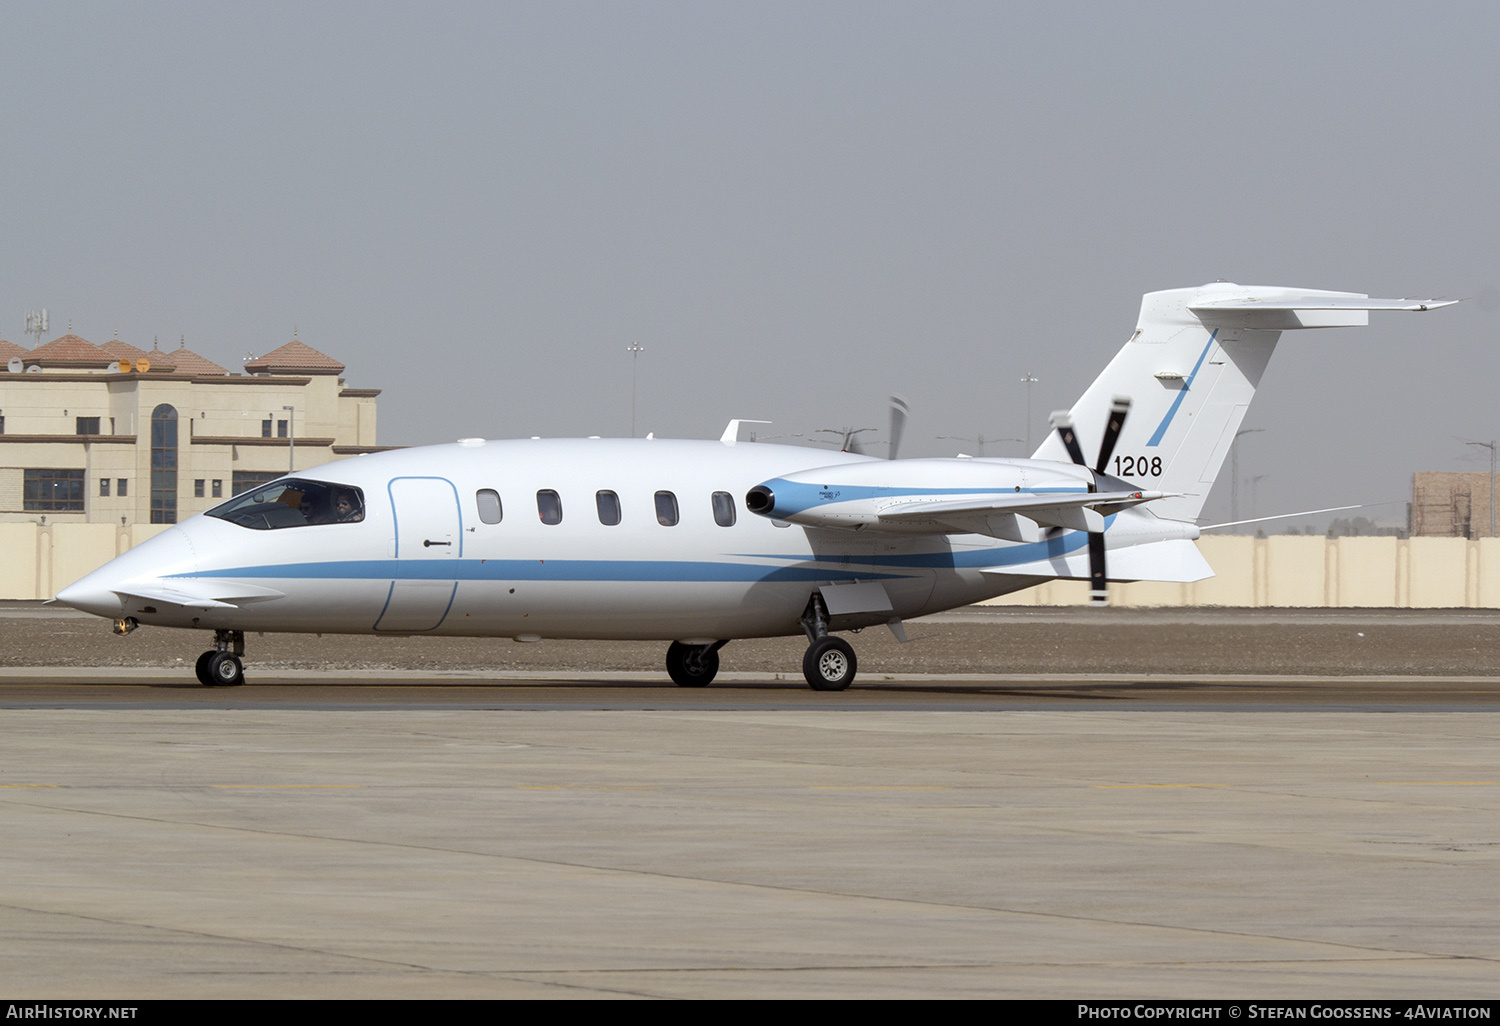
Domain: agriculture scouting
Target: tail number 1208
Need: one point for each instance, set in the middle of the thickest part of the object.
(1137, 466)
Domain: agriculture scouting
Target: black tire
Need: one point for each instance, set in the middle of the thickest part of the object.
(225, 670)
(201, 669)
(692, 666)
(829, 664)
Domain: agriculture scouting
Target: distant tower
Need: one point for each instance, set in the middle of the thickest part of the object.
(36, 325)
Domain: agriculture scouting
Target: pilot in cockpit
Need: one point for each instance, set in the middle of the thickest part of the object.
(346, 510)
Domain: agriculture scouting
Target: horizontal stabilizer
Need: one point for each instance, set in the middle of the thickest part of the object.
(1273, 309)
(1173, 561)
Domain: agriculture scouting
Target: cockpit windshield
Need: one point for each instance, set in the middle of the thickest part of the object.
(291, 502)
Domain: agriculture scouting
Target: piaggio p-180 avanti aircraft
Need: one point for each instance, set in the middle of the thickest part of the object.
(646, 538)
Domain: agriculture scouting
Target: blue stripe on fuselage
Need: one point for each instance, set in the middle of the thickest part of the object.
(805, 568)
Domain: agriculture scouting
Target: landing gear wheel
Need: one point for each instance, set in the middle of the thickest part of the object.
(225, 670)
(692, 666)
(201, 669)
(829, 664)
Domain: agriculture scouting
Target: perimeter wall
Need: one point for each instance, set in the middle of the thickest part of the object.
(1282, 570)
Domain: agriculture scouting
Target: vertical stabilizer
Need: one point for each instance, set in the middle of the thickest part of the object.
(1190, 371)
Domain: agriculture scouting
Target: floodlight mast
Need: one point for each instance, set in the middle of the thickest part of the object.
(635, 349)
(1491, 446)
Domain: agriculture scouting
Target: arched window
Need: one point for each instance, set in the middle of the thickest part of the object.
(164, 465)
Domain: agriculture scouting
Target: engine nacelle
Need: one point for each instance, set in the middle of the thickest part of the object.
(855, 495)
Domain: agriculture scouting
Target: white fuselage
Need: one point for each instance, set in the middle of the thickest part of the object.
(423, 561)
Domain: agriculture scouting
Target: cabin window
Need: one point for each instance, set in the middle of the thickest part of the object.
(723, 509)
(549, 506)
(488, 501)
(609, 507)
(294, 503)
(666, 509)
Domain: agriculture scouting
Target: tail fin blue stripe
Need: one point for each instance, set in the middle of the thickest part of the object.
(1161, 429)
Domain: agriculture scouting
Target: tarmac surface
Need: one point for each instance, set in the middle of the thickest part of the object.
(1020, 803)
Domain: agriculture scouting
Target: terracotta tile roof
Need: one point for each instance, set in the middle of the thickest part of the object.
(10, 349)
(295, 358)
(189, 362)
(123, 350)
(160, 359)
(69, 351)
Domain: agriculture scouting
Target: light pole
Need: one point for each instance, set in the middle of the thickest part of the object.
(635, 349)
(1491, 447)
(1028, 381)
(1234, 472)
(291, 438)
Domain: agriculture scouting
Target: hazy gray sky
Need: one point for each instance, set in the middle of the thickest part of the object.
(796, 208)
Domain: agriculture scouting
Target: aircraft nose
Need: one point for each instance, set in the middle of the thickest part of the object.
(98, 592)
(92, 595)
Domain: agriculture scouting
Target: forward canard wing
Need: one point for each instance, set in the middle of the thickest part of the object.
(196, 594)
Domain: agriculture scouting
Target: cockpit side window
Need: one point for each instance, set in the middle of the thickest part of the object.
(290, 502)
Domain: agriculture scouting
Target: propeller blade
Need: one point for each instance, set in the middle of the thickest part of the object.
(1098, 589)
(899, 411)
(1117, 411)
(1064, 424)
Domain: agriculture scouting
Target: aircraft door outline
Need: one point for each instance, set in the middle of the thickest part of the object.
(427, 542)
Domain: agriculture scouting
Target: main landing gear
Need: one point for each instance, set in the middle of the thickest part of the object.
(220, 666)
(829, 663)
(693, 666)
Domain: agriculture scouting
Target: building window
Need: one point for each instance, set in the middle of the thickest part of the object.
(265, 429)
(198, 488)
(549, 506)
(723, 509)
(52, 491)
(281, 429)
(247, 480)
(164, 465)
(218, 488)
(120, 487)
(86, 425)
(488, 501)
(609, 508)
(104, 487)
(2, 425)
(666, 509)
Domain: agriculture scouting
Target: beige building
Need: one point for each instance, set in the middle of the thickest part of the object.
(115, 434)
(1450, 505)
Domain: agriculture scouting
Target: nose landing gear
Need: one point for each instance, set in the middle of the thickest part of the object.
(220, 666)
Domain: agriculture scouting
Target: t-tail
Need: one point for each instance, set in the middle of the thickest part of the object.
(1189, 372)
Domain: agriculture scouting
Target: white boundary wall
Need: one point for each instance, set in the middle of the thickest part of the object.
(1282, 570)
(1288, 570)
